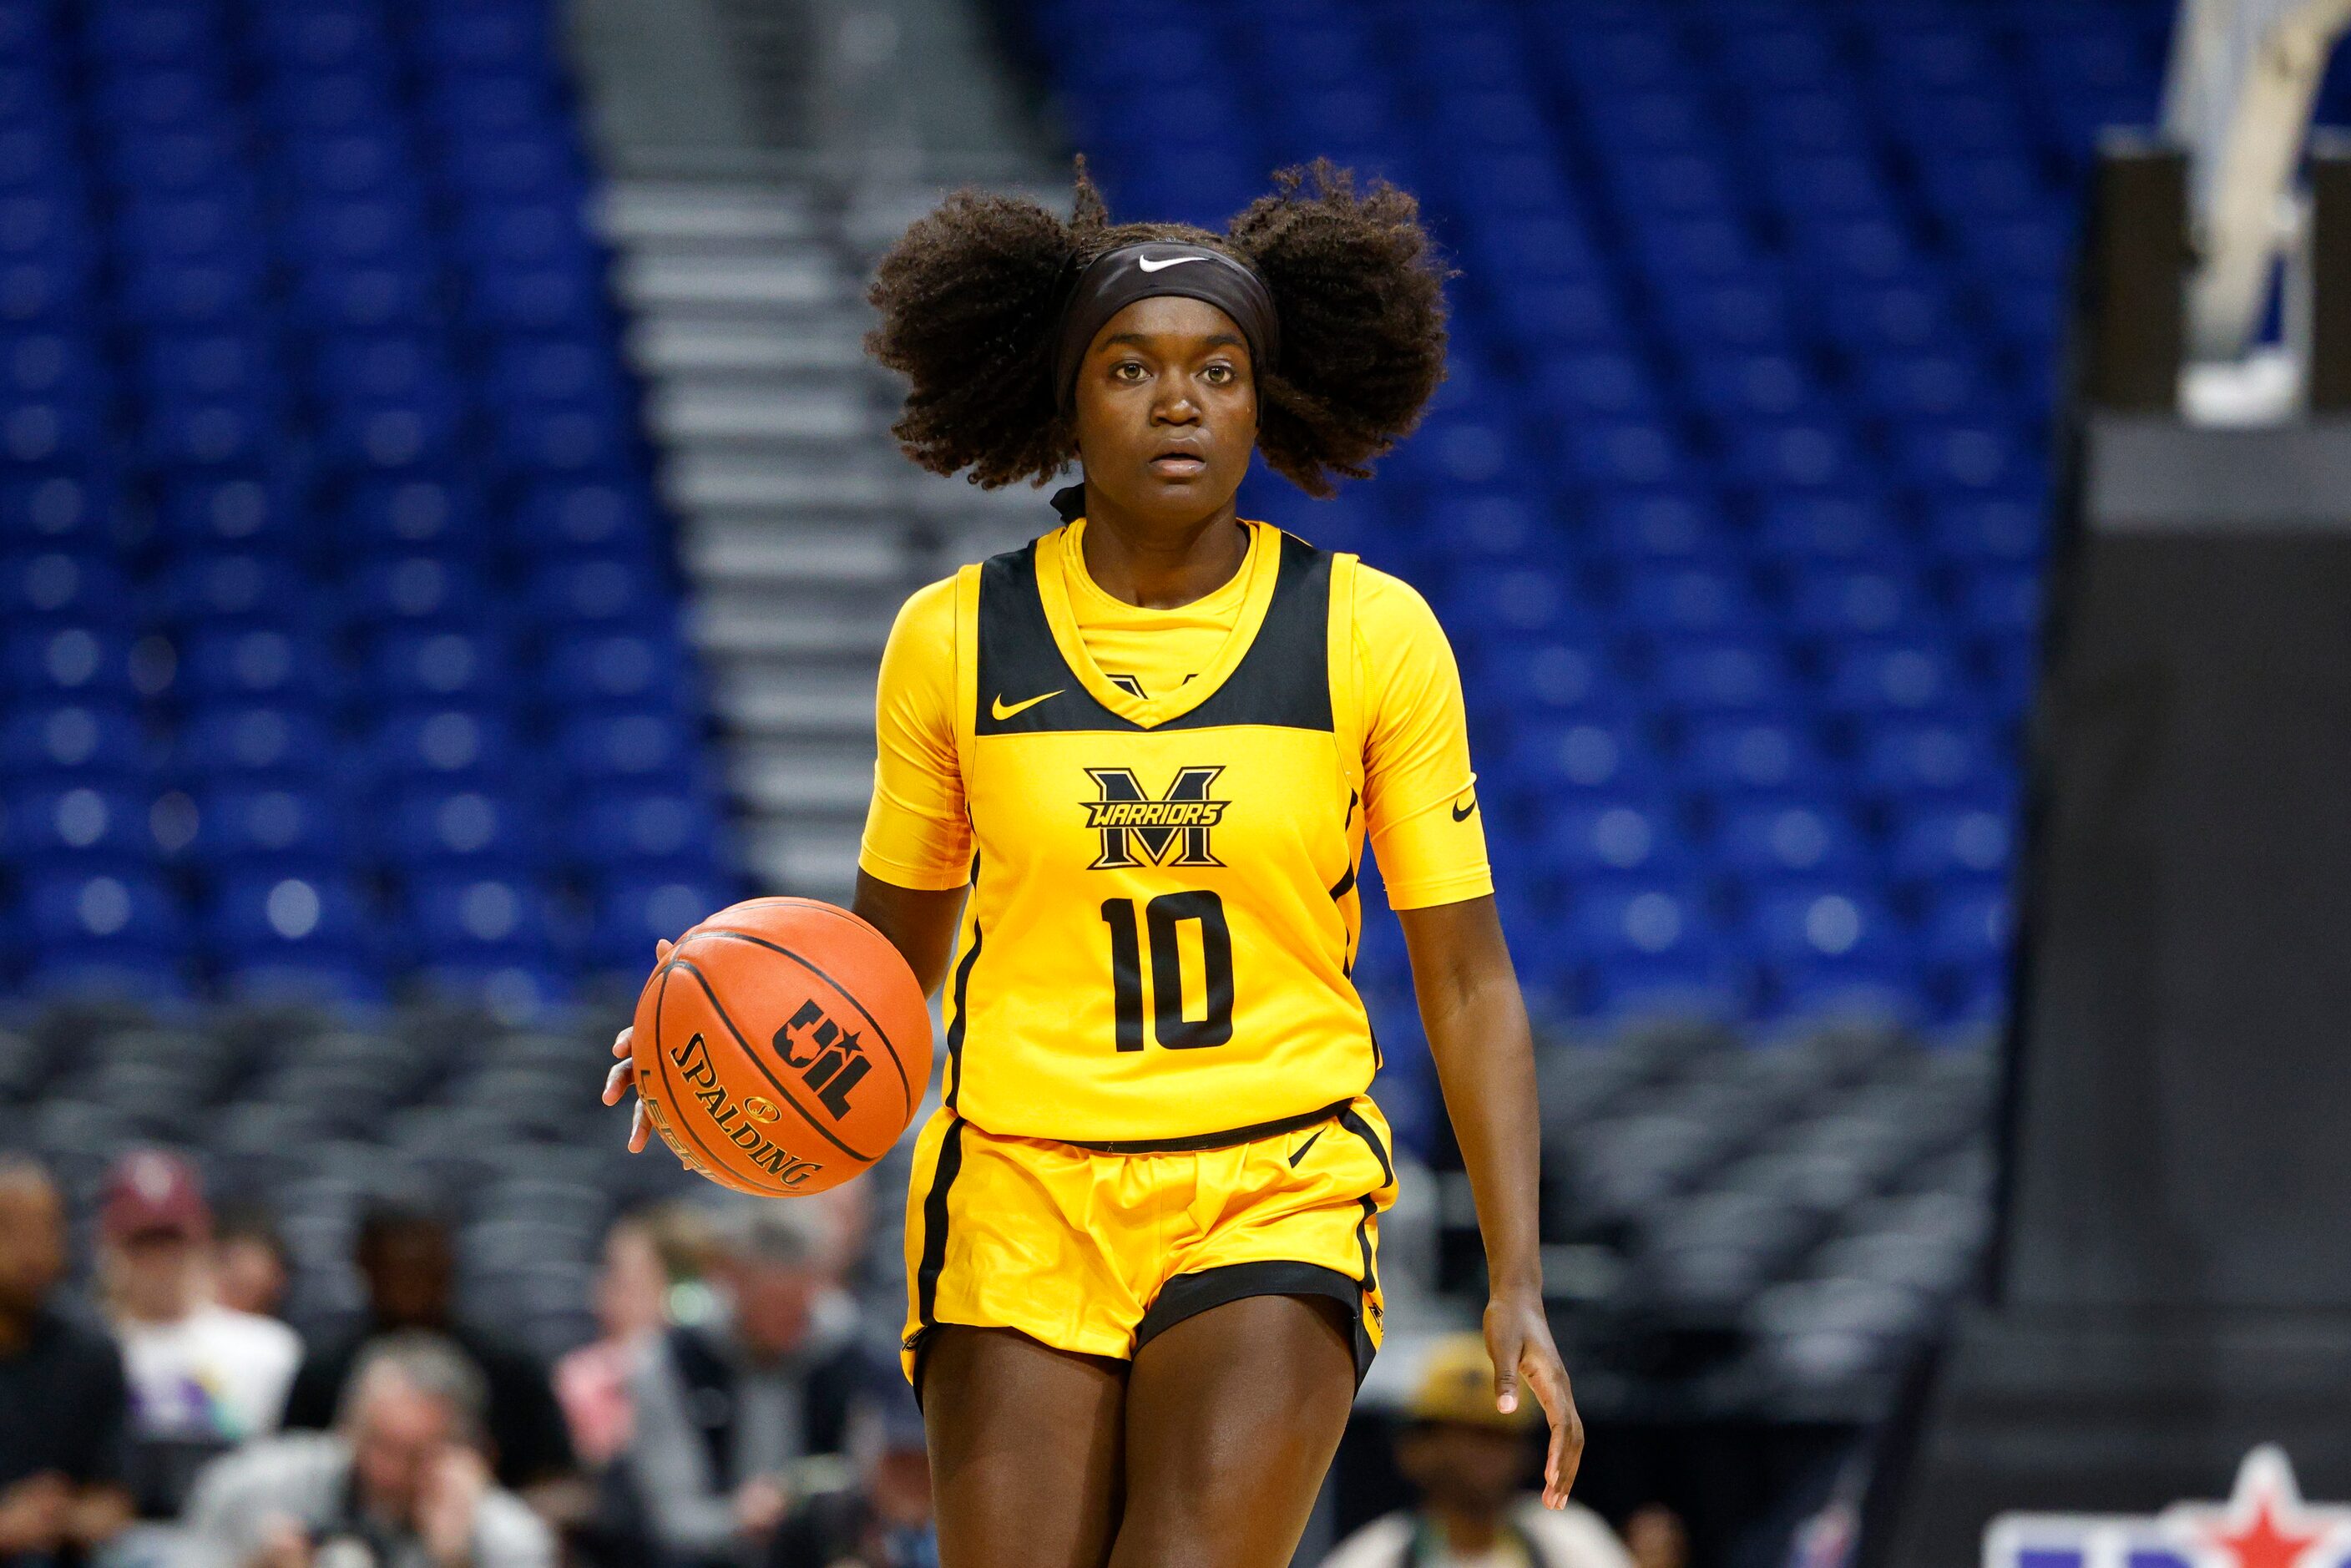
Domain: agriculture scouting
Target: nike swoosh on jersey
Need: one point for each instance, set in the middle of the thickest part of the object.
(1148, 265)
(1304, 1147)
(1001, 712)
(1462, 813)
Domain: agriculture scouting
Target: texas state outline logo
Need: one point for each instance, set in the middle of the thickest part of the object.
(2265, 1524)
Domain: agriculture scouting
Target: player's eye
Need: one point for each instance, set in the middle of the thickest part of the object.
(1127, 370)
(1220, 374)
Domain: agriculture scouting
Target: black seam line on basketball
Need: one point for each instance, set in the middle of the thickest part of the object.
(906, 1087)
(677, 1118)
(934, 1225)
(751, 1054)
(1363, 1129)
(1304, 1147)
(962, 1015)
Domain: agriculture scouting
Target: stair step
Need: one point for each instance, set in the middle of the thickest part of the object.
(712, 413)
(697, 480)
(795, 775)
(764, 699)
(653, 282)
(809, 862)
(726, 625)
(764, 551)
(678, 342)
(655, 210)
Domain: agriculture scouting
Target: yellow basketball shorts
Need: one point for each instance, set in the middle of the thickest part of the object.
(1097, 1249)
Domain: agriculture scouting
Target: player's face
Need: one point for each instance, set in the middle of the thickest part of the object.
(1166, 413)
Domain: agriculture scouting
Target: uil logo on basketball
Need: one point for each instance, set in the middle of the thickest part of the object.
(1163, 830)
(830, 1059)
(2265, 1524)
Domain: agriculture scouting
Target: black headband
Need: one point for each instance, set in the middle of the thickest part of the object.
(1117, 279)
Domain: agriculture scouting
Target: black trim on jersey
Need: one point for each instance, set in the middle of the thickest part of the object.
(1344, 885)
(1283, 680)
(962, 1005)
(1189, 1295)
(1223, 1140)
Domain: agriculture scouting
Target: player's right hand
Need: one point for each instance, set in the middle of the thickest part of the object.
(623, 1076)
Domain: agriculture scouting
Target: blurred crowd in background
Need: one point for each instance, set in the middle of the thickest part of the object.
(735, 1410)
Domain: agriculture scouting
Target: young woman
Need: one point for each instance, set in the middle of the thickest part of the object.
(1126, 776)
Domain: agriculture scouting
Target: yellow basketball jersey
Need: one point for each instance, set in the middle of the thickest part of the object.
(1162, 914)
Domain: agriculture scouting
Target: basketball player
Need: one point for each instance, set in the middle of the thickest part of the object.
(1126, 776)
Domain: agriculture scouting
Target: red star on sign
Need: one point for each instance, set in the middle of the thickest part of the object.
(2262, 1544)
(2265, 1523)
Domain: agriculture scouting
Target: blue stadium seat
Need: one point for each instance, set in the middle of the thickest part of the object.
(1712, 675)
(450, 744)
(475, 919)
(1759, 755)
(1941, 842)
(275, 740)
(78, 822)
(431, 826)
(633, 911)
(648, 833)
(225, 663)
(1789, 838)
(1596, 838)
(294, 827)
(89, 741)
(427, 666)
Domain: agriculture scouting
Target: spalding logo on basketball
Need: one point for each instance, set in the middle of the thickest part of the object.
(782, 1046)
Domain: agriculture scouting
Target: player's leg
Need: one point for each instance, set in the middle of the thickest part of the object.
(1025, 1449)
(1232, 1417)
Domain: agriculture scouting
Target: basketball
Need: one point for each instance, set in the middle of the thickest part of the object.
(781, 1047)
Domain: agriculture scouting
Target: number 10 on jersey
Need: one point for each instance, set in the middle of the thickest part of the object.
(1162, 918)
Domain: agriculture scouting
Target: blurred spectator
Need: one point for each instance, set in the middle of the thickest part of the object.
(724, 1413)
(63, 1404)
(1657, 1537)
(593, 1382)
(882, 1520)
(401, 1482)
(408, 1267)
(204, 1377)
(250, 1269)
(1471, 1464)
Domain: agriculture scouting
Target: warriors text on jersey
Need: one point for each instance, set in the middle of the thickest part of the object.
(1161, 812)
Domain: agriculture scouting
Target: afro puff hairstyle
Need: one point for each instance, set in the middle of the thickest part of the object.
(969, 300)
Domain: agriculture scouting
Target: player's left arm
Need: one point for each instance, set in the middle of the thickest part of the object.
(1477, 1025)
(1421, 807)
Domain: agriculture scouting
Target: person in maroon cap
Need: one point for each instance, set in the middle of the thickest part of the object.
(204, 1377)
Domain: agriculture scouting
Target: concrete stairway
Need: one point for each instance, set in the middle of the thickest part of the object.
(802, 527)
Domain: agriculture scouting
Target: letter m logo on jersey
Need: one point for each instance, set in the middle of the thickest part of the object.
(1161, 830)
(2265, 1524)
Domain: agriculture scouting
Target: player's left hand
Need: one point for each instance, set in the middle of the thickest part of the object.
(623, 1076)
(1518, 1338)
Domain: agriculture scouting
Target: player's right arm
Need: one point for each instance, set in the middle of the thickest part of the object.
(914, 862)
(914, 865)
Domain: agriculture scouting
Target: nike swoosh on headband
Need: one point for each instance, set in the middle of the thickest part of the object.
(1148, 265)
